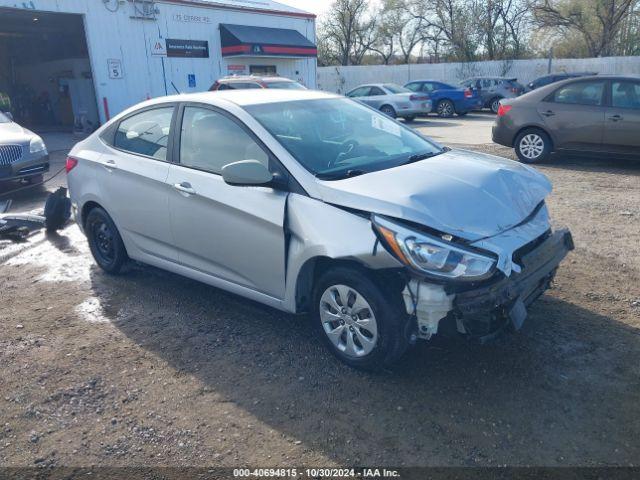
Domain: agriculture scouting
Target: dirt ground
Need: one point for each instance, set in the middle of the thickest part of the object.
(153, 369)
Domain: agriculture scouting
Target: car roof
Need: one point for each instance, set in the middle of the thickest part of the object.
(254, 78)
(240, 97)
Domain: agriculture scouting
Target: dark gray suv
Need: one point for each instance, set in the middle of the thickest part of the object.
(590, 114)
(494, 89)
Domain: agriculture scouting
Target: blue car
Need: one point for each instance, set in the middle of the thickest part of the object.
(447, 99)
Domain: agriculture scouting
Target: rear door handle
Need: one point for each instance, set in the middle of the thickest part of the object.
(184, 187)
(616, 118)
(549, 113)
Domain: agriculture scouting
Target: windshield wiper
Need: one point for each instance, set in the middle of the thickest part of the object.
(423, 156)
(340, 175)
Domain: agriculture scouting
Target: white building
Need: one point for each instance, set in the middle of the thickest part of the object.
(64, 59)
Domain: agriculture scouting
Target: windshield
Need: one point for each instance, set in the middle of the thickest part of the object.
(4, 118)
(337, 137)
(393, 88)
(286, 85)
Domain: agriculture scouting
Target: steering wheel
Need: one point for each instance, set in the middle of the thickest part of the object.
(345, 149)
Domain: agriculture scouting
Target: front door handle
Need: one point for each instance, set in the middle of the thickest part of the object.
(549, 113)
(616, 118)
(184, 187)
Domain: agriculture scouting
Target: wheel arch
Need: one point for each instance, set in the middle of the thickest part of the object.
(533, 127)
(86, 209)
(314, 267)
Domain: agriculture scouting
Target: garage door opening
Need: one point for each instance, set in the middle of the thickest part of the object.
(45, 74)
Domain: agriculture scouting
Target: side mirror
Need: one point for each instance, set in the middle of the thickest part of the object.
(9, 115)
(247, 173)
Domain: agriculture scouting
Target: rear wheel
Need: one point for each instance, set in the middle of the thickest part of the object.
(533, 146)
(105, 242)
(388, 110)
(445, 109)
(362, 325)
(495, 105)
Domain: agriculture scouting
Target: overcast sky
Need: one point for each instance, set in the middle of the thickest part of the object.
(314, 6)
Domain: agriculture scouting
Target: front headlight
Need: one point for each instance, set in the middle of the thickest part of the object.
(37, 145)
(431, 255)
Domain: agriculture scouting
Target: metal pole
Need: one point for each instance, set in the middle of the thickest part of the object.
(550, 60)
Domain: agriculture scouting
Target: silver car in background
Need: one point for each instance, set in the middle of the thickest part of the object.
(393, 100)
(23, 154)
(311, 202)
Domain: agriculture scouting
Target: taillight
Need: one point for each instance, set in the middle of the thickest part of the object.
(503, 110)
(71, 163)
(468, 93)
(418, 98)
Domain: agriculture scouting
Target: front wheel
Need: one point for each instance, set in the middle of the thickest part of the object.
(388, 110)
(533, 146)
(362, 325)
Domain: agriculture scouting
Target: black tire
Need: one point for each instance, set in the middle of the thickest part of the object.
(445, 108)
(494, 104)
(533, 136)
(410, 118)
(389, 111)
(105, 242)
(393, 323)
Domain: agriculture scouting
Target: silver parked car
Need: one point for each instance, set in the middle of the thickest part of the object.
(311, 202)
(393, 100)
(23, 154)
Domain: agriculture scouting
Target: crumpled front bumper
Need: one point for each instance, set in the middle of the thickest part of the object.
(485, 312)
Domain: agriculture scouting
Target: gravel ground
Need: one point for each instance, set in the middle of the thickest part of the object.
(153, 369)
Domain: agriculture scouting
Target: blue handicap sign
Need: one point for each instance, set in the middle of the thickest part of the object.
(192, 80)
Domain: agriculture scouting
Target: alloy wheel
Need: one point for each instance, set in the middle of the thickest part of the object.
(531, 146)
(348, 320)
(445, 109)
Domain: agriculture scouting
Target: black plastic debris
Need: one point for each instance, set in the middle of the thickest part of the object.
(17, 227)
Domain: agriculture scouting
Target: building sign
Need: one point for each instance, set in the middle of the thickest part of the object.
(186, 18)
(114, 65)
(236, 69)
(158, 48)
(187, 48)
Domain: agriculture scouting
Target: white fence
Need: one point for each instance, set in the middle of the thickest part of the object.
(343, 79)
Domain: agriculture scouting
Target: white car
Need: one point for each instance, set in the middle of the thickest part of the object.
(311, 202)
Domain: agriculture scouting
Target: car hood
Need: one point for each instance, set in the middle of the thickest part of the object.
(11, 132)
(466, 194)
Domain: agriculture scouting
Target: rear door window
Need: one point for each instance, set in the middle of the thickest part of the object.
(375, 91)
(580, 93)
(146, 133)
(359, 92)
(625, 94)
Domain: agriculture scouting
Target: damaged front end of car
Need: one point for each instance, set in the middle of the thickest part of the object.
(477, 288)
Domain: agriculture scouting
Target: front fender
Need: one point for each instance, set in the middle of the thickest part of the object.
(319, 230)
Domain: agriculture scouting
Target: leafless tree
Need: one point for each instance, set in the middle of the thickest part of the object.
(346, 31)
(597, 21)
